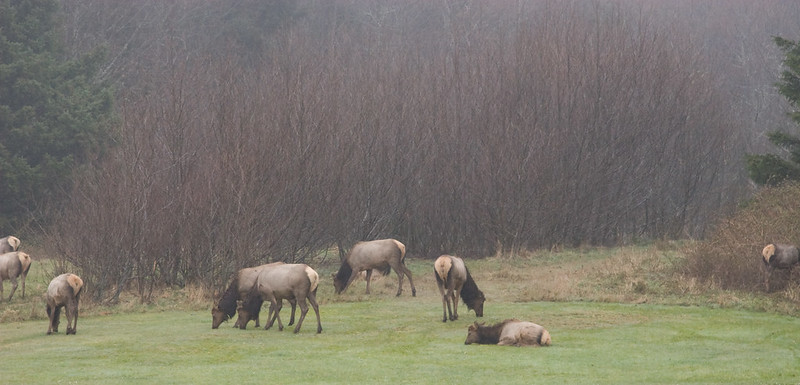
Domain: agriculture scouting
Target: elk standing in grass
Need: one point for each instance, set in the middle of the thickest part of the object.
(293, 282)
(243, 281)
(64, 291)
(14, 265)
(454, 281)
(9, 244)
(511, 332)
(778, 256)
(382, 255)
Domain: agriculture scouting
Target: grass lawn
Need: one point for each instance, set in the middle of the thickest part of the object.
(381, 338)
(391, 340)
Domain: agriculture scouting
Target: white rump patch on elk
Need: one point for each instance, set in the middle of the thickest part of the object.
(76, 283)
(402, 248)
(442, 266)
(24, 260)
(313, 277)
(768, 252)
(14, 242)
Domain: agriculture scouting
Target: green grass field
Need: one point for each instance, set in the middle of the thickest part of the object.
(627, 328)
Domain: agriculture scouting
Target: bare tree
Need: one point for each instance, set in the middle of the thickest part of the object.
(456, 126)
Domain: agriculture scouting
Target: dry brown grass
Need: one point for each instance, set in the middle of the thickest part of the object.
(628, 274)
(654, 273)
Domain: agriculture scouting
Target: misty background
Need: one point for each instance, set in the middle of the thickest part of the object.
(252, 131)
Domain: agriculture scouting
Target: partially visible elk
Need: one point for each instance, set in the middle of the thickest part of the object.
(243, 281)
(454, 281)
(296, 282)
(511, 332)
(778, 256)
(9, 244)
(64, 291)
(383, 255)
(14, 265)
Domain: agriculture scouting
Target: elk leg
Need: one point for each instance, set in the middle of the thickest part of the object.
(70, 308)
(56, 318)
(68, 311)
(455, 304)
(450, 307)
(294, 307)
(445, 304)
(312, 297)
(278, 307)
(369, 278)
(273, 313)
(401, 270)
(13, 288)
(303, 311)
(767, 275)
(75, 325)
(410, 281)
(50, 313)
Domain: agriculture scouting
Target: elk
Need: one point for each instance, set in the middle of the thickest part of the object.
(14, 265)
(778, 256)
(454, 281)
(64, 291)
(511, 332)
(383, 255)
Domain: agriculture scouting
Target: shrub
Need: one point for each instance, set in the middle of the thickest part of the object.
(731, 256)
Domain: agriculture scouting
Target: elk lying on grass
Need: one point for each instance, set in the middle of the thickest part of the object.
(64, 291)
(512, 332)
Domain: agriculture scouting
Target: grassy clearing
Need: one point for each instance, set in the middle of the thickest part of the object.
(616, 316)
(401, 340)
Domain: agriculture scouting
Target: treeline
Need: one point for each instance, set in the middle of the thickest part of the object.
(457, 127)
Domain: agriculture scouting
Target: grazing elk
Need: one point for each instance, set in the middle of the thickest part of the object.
(511, 332)
(14, 265)
(243, 281)
(382, 255)
(454, 281)
(296, 282)
(9, 244)
(778, 256)
(64, 291)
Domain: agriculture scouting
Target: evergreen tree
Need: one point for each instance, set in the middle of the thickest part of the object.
(53, 117)
(770, 169)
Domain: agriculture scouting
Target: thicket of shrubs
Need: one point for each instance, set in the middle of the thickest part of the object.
(731, 256)
(454, 127)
